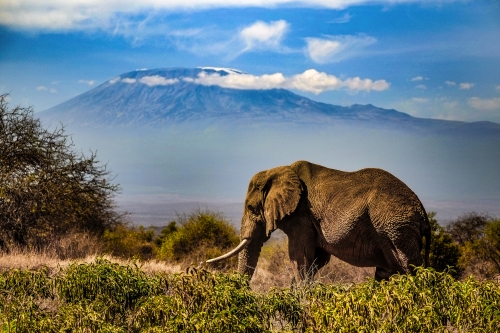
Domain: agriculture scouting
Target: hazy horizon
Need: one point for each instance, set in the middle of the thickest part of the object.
(170, 170)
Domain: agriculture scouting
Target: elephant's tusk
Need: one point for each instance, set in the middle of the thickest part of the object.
(244, 243)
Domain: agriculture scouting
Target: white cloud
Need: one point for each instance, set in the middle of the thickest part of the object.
(87, 82)
(420, 100)
(343, 19)
(185, 32)
(151, 81)
(498, 87)
(491, 104)
(336, 48)
(466, 85)
(417, 78)
(126, 80)
(157, 80)
(230, 44)
(314, 81)
(357, 83)
(44, 88)
(262, 35)
(421, 87)
(240, 81)
(92, 14)
(321, 50)
(450, 83)
(310, 81)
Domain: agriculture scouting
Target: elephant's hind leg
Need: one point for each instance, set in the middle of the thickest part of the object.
(402, 254)
(408, 248)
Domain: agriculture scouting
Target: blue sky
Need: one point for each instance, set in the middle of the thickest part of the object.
(437, 59)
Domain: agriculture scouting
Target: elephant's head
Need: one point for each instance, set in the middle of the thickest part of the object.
(272, 195)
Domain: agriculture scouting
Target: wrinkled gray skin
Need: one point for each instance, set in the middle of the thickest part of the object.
(366, 218)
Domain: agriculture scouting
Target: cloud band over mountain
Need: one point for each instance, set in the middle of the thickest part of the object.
(310, 81)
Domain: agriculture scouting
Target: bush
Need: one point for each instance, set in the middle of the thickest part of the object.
(200, 236)
(444, 251)
(481, 256)
(46, 187)
(104, 297)
(128, 242)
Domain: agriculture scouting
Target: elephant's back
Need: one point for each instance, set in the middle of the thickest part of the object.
(342, 194)
(390, 198)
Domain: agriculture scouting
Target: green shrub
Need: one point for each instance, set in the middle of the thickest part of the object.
(128, 242)
(482, 255)
(428, 302)
(204, 302)
(105, 297)
(166, 232)
(444, 252)
(110, 282)
(201, 236)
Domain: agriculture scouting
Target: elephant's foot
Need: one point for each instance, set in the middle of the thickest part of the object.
(382, 274)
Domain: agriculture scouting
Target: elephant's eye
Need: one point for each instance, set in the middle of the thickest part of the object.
(252, 209)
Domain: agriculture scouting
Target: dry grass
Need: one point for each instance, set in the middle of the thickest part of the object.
(35, 260)
(76, 247)
(274, 268)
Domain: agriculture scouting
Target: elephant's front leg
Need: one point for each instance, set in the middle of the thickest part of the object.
(302, 250)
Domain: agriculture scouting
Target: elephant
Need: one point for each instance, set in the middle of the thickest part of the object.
(367, 218)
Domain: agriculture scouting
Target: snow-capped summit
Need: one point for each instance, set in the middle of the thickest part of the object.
(220, 69)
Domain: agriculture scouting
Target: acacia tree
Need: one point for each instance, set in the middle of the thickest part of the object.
(468, 228)
(46, 187)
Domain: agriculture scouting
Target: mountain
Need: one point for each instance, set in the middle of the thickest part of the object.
(176, 144)
(168, 96)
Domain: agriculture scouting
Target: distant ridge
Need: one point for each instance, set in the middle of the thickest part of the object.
(162, 97)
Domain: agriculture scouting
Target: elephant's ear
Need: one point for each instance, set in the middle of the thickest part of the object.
(282, 194)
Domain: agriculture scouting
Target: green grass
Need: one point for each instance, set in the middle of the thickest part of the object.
(102, 296)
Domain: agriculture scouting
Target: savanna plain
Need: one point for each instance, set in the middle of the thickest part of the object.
(70, 262)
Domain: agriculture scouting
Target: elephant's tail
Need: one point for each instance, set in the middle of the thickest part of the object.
(427, 234)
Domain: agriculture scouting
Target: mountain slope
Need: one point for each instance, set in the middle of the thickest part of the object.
(167, 96)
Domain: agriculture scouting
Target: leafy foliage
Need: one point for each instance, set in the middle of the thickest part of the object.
(444, 252)
(201, 236)
(106, 297)
(128, 242)
(470, 245)
(468, 228)
(428, 302)
(482, 255)
(46, 187)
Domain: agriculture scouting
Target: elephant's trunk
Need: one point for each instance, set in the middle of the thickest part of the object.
(253, 237)
(244, 243)
(247, 259)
